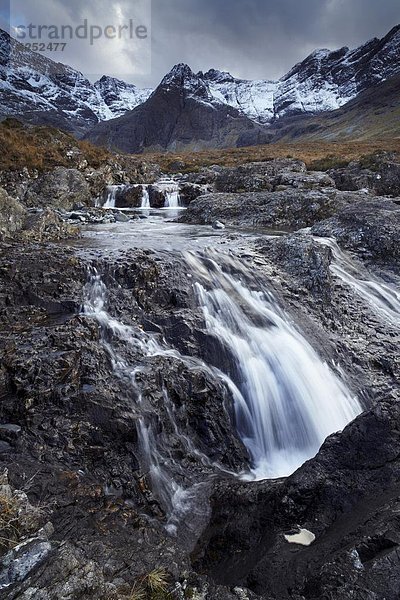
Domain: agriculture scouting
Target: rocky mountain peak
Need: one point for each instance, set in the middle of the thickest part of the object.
(217, 76)
(179, 75)
(187, 82)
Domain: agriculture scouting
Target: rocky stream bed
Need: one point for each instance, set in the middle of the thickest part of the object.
(131, 447)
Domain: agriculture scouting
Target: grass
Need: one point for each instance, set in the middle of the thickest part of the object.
(42, 147)
(10, 528)
(316, 155)
(152, 586)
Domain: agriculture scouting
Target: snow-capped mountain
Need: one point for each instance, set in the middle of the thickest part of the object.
(254, 98)
(39, 90)
(327, 80)
(120, 96)
(36, 89)
(181, 113)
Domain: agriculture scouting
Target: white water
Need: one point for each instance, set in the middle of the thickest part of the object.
(165, 474)
(145, 197)
(287, 400)
(382, 297)
(171, 192)
(112, 191)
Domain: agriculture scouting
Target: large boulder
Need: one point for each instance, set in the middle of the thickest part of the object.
(248, 177)
(12, 215)
(46, 226)
(379, 173)
(309, 181)
(372, 229)
(60, 188)
(290, 208)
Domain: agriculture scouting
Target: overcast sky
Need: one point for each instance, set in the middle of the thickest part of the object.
(250, 38)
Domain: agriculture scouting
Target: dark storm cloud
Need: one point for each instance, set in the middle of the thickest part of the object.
(250, 38)
(261, 38)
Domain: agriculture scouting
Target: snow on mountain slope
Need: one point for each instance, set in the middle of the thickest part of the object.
(120, 96)
(181, 113)
(327, 80)
(41, 90)
(254, 98)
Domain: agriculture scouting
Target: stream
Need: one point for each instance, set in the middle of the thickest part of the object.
(286, 398)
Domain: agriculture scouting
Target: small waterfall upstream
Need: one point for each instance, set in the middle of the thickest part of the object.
(287, 400)
(171, 192)
(383, 298)
(145, 197)
(112, 191)
(168, 188)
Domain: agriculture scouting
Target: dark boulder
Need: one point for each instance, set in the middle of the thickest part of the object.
(371, 229)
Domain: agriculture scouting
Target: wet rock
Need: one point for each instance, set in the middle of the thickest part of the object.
(292, 209)
(347, 496)
(5, 447)
(372, 229)
(59, 188)
(379, 173)
(190, 191)
(120, 217)
(303, 258)
(129, 196)
(46, 225)
(12, 215)
(157, 197)
(218, 225)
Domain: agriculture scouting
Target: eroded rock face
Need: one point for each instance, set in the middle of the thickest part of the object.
(12, 215)
(60, 188)
(336, 496)
(372, 229)
(380, 173)
(292, 209)
(80, 419)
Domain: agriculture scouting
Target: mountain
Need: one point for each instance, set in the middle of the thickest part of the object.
(181, 113)
(39, 90)
(120, 96)
(373, 114)
(254, 98)
(202, 110)
(327, 80)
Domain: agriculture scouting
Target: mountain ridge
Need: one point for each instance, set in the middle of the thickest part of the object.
(38, 90)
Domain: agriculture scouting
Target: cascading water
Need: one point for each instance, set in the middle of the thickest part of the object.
(112, 191)
(178, 495)
(383, 298)
(145, 197)
(287, 400)
(171, 192)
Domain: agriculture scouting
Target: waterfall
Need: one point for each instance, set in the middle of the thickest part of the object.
(112, 191)
(171, 192)
(177, 493)
(287, 400)
(145, 197)
(383, 298)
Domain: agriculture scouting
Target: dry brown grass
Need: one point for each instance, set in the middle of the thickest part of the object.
(318, 155)
(42, 148)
